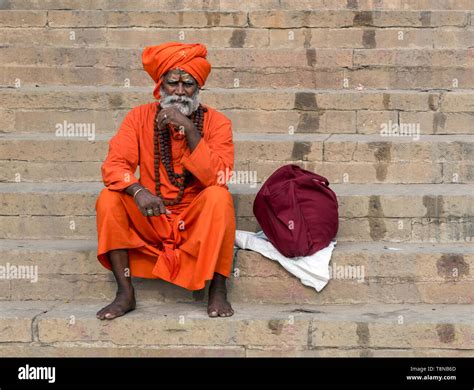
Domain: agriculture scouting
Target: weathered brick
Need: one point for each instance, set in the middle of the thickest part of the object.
(317, 38)
(7, 118)
(53, 37)
(101, 349)
(440, 122)
(16, 320)
(370, 122)
(380, 172)
(288, 19)
(147, 19)
(347, 18)
(457, 102)
(22, 18)
(224, 37)
(135, 38)
(418, 57)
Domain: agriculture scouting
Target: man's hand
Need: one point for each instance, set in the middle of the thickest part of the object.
(145, 201)
(181, 124)
(171, 115)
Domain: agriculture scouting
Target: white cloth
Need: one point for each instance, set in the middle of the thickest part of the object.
(312, 270)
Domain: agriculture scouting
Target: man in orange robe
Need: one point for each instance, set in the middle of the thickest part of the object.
(141, 231)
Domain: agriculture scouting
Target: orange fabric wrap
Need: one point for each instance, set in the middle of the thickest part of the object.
(157, 60)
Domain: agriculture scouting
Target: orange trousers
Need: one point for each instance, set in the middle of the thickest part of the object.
(184, 248)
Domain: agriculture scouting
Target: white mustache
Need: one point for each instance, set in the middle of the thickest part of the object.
(174, 99)
(187, 105)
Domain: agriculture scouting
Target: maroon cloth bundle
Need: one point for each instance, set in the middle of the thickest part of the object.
(297, 211)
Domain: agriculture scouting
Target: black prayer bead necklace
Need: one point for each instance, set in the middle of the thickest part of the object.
(162, 142)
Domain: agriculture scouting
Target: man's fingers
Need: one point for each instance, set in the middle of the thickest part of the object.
(143, 211)
(167, 116)
(162, 208)
(164, 123)
(158, 207)
(160, 119)
(155, 205)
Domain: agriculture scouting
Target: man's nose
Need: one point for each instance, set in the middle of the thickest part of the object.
(180, 90)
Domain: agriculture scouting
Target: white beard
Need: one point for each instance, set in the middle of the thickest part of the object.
(186, 105)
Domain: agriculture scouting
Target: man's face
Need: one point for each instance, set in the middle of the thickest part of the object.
(179, 89)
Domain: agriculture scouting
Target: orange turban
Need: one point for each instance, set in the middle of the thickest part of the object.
(157, 60)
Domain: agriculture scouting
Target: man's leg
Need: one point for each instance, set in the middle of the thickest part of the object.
(218, 305)
(125, 298)
(205, 233)
(219, 205)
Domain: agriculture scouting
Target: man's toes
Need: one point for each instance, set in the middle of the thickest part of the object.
(101, 313)
(107, 313)
(114, 314)
(110, 316)
(227, 313)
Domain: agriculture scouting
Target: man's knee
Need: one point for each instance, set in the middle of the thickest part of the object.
(108, 200)
(217, 194)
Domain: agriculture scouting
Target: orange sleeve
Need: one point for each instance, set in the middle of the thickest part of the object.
(118, 169)
(212, 161)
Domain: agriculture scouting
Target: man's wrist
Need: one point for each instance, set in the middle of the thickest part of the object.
(193, 137)
(132, 189)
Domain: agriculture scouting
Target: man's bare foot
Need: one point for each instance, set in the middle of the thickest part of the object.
(123, 303)
(218, 305)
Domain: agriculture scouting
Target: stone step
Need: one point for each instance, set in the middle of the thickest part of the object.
(226, 5)
(282, 121)
(352, 18)
(250, 68)
(354, 158)
(406, 229)
(278, 110)
(130, 59)
(71, 329)
(257, 171)
(380, 77)
(248, 37)
(265, 18)
(375, 212)
(364, 272)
